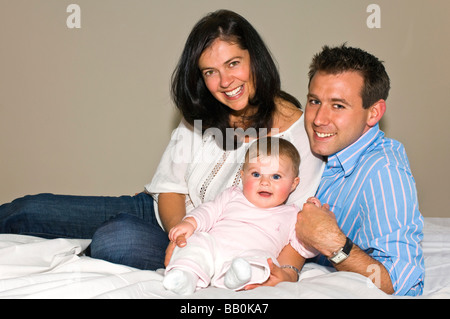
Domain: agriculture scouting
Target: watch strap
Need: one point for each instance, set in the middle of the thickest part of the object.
(343, 253)
(347, 247)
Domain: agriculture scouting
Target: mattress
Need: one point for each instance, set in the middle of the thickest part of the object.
(32, 267)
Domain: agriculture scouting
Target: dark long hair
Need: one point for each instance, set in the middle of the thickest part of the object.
(192, 97)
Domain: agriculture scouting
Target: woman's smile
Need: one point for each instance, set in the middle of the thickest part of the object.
(227, 74)
(236, 93)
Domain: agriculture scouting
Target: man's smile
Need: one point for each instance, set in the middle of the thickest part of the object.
(324, 135)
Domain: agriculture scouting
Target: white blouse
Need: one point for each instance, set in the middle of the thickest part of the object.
(195, 165)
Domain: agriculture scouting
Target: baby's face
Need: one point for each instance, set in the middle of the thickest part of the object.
(268, 180)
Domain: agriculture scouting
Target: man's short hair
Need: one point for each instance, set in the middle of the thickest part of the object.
(336, 60)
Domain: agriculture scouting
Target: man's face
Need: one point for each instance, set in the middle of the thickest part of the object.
(334, 115)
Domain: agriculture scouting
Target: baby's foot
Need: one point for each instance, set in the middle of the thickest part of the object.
(180, 282)
(240, 273)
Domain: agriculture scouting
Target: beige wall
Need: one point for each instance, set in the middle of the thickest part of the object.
(87, 111)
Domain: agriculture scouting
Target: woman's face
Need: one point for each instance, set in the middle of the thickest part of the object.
(227, 74)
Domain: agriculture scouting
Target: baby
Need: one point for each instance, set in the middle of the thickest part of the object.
(230, 238)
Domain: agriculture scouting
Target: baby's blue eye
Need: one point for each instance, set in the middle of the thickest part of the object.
(276, 176)
(255, 174)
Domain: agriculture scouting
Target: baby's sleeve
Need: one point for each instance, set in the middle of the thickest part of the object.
(300, 248)
(207, 214)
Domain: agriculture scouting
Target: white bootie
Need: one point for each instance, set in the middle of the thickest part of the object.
(240, 273)
(180, 281)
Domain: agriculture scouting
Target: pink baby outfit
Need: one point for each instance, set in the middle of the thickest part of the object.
(229, 227)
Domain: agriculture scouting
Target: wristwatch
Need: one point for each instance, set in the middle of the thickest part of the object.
(343, 253)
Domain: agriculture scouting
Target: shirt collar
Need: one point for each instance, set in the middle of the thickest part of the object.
(348, 158)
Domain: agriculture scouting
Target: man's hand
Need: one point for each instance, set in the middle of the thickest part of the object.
(317, 228)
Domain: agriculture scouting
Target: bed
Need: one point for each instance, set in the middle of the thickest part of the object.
(32, 267)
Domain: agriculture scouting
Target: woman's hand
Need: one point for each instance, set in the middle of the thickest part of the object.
(178, 235)
(288, 256)
(183, 229)
(180, 241)
(277, 275)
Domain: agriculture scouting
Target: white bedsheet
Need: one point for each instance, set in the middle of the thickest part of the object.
(32, 267)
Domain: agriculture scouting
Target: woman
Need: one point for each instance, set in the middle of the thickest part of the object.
(227, 88)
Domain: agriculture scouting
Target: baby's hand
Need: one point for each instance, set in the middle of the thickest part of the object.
(315, 201)
(185, 228)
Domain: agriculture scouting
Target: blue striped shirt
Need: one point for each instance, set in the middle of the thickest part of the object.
(370, 189)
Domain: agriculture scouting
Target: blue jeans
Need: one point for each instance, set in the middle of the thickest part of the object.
(123, 230)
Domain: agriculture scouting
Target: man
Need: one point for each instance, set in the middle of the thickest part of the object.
(370, 221)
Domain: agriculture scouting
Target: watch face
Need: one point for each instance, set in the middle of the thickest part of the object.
(343, 253)
(339, 257)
